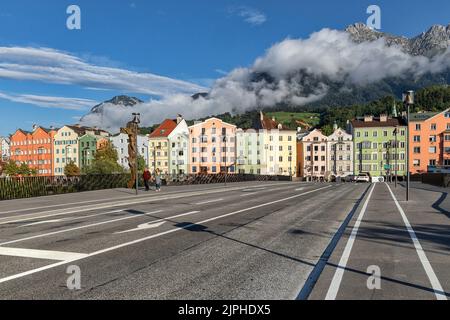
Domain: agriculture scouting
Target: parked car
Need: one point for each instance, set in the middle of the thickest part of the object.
(363, 177)
(350, 178)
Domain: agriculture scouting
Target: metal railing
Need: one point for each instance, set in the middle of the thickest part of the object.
(28, 187)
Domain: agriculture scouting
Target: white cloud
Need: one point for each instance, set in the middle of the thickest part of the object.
(297, 68)
(220, 71)
(50, 102)
(52, 66)
(250, 15)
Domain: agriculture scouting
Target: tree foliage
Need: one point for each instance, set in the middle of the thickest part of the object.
(71, 170)
(14, 170)
(105, 161)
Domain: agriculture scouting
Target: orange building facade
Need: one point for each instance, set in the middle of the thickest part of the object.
(429, 138)
(34, 148)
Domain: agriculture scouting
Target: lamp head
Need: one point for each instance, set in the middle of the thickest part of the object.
(408, 97)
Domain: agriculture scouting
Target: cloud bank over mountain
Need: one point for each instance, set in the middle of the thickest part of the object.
(292, 72)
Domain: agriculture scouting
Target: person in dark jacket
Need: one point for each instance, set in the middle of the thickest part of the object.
(147, 176)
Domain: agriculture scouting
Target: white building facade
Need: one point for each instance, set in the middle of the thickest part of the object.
(4, 149)
(340, 153)
(179, 148)
(120, 143)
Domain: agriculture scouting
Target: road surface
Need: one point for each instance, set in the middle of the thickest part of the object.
(265, 240)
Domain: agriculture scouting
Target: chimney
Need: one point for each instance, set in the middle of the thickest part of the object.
(383, 117)
(179, 118)
(35, 126)
(261, 115)
(280, 126)
(368, 118)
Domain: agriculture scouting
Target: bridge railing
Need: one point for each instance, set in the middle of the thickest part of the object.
(28, 187)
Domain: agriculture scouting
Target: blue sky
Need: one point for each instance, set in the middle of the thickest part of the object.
(188, 43)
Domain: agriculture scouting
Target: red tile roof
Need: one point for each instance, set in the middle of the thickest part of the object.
(164, 129)
(267, 122)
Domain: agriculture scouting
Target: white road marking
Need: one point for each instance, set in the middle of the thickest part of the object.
(254, 189)
(78, 228)
(248, 194)
(337, 278)
(70, 219)
(60, 212)
(299, 189)
(41, 254)
(438, 291)
(157, 223)
(48, 267)
(39, 223)
(209, 201)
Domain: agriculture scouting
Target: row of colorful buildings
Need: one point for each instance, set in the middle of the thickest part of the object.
(375, 145)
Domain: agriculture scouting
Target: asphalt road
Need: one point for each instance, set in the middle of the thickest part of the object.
(273, 240)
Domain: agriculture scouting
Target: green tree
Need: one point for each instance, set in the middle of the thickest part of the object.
(24, 170)
(141, 163)
(105, 161)
(11, 168)
(71, 170)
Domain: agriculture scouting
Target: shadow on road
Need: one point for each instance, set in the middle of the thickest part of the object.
(404, 283)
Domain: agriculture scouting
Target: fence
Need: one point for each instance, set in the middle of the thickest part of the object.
(436, 179)
(28, 187)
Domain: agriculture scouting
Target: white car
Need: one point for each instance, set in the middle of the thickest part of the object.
(377, 179)
(362, 177)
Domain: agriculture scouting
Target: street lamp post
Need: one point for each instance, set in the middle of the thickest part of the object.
(226, 168)
(408, 100)
(136, 121)
(396, 155)
(290, 165)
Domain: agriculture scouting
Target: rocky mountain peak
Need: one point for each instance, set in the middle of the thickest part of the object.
(121, 100)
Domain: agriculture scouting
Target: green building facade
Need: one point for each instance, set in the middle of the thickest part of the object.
(379, 145)
(88, 147)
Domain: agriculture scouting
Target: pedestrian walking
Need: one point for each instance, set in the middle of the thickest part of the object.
(158, 180)
(147, 176)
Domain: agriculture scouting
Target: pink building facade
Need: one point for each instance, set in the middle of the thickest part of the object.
(313, 160)
(212, 147)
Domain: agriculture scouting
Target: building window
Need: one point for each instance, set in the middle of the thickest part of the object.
(416, 149)
(432, 149)
(433, 126)
(418, 127)
(432, 138)
(416, 138)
